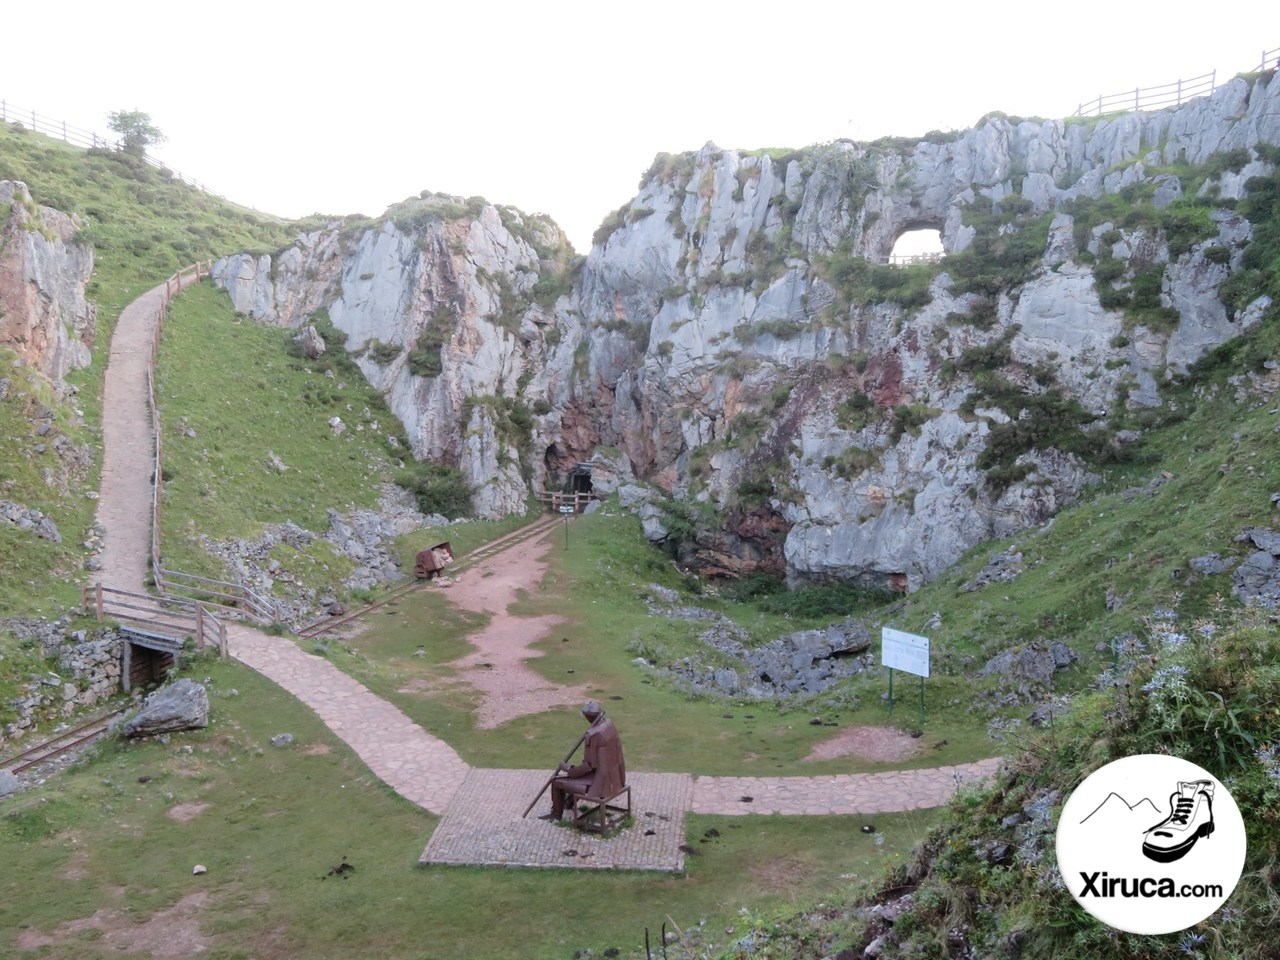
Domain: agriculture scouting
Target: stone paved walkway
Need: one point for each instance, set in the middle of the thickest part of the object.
(481, 808)
(886, 792)
(124, 491)
(419, 767)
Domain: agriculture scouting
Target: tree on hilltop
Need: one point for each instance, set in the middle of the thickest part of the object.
(136, 130)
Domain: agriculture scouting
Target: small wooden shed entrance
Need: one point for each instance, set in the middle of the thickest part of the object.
(146, 656)
(154, 630)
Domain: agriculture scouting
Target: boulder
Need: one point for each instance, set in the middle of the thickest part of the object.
(1209, 564)
(311, 342)
(1031, 664)
(183, 705)
(9, 783)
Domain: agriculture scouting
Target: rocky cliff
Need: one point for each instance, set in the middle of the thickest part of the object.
(43, 273)
(452, 309)
(734, 339)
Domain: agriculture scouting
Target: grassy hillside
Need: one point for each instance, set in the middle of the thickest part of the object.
(143, 225)
(231, 398)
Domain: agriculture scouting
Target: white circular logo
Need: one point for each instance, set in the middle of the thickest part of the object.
(1151, 844)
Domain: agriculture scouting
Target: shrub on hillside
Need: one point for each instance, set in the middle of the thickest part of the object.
(826, 600)
(437, 489)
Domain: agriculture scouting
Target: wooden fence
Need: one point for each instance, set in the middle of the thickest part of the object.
(187, 586)
(83, 138)
(911, 259)
(576, 501)
(172, 615)
(1165, 95)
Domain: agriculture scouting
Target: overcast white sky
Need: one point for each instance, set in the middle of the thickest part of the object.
(558, 107)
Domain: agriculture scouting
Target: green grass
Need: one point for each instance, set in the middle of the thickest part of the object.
(598, 585)
(277, 820)
(233, 383)
(142, 226)
(36, 575)
(1223, 714)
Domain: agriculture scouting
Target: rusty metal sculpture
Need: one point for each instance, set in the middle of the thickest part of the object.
(600, 777)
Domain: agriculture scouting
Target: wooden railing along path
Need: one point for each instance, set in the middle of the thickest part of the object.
(83, 138)
(1165, 95)
(167, 580)
(171, 615)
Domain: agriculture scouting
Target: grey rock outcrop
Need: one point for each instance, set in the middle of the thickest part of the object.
(365, 537)
(1030, 668)
(1257, 578)
(46, 319)
(30, 520)
(183, 705)
(438, 304)
(727, 342)
(9, 783)
(794, 665)
(311, 342)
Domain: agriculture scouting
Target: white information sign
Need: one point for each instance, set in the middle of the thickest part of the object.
(904, 651)
(566, 509)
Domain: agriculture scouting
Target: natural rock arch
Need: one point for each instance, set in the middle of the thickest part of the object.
(921, 238)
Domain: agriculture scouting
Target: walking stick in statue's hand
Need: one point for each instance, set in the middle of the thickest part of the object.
(555, 773)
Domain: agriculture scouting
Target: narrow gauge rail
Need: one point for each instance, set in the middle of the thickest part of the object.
(63, 742)
(535, 529)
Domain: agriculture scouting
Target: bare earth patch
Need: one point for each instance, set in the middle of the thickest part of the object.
(497, 667)
(780, 874)
(167, 933)
(866, 743)
(77, 867)
(182, 812)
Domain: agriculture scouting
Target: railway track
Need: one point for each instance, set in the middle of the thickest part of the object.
(505, 542)
(62, 743)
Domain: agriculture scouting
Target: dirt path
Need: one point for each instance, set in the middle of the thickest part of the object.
(124, 492)
(498, 667)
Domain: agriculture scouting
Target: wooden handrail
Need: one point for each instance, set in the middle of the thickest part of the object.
(260, 608)
(85, 138)
(191, 616)
(1171, 94)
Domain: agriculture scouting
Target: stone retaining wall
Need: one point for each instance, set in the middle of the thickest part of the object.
(88, 670)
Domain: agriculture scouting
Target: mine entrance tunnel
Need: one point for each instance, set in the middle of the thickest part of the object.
(580, 478)
(146, 656)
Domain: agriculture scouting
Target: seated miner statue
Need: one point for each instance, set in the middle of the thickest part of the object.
(602, 773)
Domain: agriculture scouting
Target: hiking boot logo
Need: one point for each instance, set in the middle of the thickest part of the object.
(1190, 818)
(1126, 856)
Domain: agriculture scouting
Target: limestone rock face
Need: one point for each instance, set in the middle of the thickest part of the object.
(45, 318)
(183, 705)
(438, 306)
(743, 376)
(731, 342)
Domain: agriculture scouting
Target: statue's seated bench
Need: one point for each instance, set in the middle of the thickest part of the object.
(602, 814)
